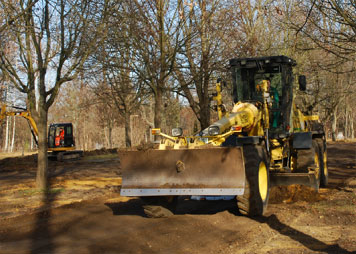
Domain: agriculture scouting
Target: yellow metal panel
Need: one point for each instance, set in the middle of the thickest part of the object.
(61, 149)
(311, 118)
(277, 153)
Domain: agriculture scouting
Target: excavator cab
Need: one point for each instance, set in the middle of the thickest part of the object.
(61, 144)
(247, 75)
(60, 135)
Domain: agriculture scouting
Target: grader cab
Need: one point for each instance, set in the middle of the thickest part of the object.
(265, 140)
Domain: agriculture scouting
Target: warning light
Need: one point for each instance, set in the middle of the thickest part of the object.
(236, 128)
(156, 131)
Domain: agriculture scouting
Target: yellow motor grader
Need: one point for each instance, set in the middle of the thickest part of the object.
(264, 141)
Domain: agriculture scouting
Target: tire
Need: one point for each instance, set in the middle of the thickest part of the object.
(160, 206)
(324, 174)
(255, 198)
(317, 160)
(305, 160)
(310, 158)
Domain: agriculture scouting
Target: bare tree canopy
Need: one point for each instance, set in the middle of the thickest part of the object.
(154, 63)
(331, 25)
(51, 41)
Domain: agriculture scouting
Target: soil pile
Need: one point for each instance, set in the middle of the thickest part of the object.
(294, 193)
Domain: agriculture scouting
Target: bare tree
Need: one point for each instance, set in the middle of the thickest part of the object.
(53, 40)
(329, 25)
(116, 84)
(199, 57)
(155, 38)
(122, 94)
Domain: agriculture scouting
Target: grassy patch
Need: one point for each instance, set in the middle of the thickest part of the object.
(345, 204)
(4, 155)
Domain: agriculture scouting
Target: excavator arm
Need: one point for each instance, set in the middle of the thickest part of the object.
(25, 114)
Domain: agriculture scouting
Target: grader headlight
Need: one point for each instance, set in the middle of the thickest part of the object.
(177, 132)
(214, 130)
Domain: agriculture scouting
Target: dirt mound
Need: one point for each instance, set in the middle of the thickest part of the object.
(351, 183)
(23, 162)
(102, 151)
(293, 193)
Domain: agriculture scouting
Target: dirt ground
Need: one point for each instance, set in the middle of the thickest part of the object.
(84, 213)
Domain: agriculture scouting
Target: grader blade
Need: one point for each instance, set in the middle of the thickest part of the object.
(213, 171)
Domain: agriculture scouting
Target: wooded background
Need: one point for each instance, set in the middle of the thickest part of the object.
(129, 66)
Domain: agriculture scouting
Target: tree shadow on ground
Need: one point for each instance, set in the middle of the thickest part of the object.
(206, 206)
(134, 207)
(131, 207)
(41, 237)
(308, 241)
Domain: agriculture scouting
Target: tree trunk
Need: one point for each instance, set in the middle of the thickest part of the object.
(127, 130)
(6, 147)
(163, 65)
(204, 75)
(42, 164)
(158, 107)
(350, 122)
(352, 127)
(13, 135)
(205, 115)
(110, 134)
(346, 126)
(334, 125)
(23, 148)
(84, 136)
(106, 136)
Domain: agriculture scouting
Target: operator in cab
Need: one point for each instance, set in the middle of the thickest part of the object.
(59, 140)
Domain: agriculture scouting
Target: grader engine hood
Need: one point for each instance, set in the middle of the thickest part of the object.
(209, 171)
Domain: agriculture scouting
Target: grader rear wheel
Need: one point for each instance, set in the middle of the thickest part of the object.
(324, 174)
(305, 160)
(310, 159)
(255, 198)
(317, 161)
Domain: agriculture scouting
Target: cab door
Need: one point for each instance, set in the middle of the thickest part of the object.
(68, 136)
(51, 136)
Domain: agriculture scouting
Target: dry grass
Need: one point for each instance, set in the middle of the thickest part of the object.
(4, 155)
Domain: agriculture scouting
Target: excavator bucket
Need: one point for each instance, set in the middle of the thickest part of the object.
(212, 171)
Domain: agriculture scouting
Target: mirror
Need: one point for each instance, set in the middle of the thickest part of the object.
(302, 83)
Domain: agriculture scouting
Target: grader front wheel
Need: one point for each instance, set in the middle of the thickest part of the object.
(255, 198)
